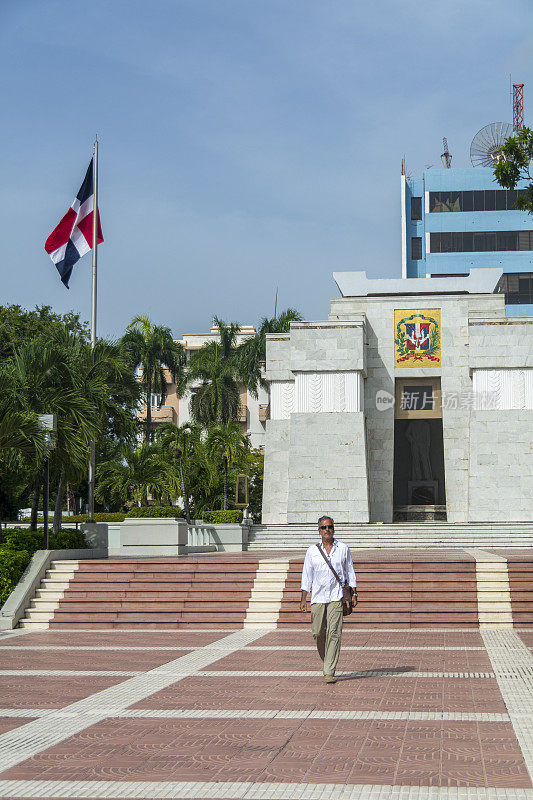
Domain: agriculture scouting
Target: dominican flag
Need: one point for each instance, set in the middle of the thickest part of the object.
(73, 237)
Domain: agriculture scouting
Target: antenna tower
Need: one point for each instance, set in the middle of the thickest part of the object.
(446, 157)
(518, 106)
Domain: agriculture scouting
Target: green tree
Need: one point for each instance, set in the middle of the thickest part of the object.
(101, 377)
(59, 373)
(182, 448)
(225, 442)
(136, 474)
(36, 381)
(18, 326)
(152, 349)
(515, 165)
(214, 365)
(22, 443)
(251, 354)
(20, 432)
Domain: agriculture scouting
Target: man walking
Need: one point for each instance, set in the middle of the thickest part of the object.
(326, 592)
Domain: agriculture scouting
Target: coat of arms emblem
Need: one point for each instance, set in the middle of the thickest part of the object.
(417, 337)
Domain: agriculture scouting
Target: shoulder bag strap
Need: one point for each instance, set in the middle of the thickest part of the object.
(328, 563)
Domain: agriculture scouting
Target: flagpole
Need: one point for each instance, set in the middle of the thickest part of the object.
(92, 446)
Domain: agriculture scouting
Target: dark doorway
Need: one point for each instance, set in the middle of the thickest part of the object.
(418, 462)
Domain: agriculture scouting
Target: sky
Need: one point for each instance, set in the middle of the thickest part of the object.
(245, 145)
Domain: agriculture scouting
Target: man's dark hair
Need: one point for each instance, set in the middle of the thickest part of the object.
(321, 519)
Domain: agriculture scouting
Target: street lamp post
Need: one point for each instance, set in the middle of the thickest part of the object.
(49, 422)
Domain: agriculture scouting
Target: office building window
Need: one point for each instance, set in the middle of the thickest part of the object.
(517, 287)
(483, 200)
(416, 208)
(480, 242)
(155, 400)
(416, 248)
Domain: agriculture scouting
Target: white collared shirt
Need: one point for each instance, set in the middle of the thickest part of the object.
(317, 577)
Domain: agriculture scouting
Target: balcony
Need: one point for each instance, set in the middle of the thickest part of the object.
(163, 414)
(264, 413)
(242, 413)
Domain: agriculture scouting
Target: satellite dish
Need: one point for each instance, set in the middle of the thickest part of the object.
(486, 147)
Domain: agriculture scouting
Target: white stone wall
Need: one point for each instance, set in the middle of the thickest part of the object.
(316, 405)
(502, 389)
(480, 347)
(281, 399)
(503, 342)
(501, 466)
(456, 382)
(327, 467)
(327, 346)
(276, 475)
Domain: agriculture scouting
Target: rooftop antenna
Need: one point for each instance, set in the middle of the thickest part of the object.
(518, 107)
(446, 157)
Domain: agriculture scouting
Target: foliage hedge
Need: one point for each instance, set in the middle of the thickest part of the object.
(12, 565)
(100, 516)
(20, 544)
(222, 517)
(22, 539)
(155, 511)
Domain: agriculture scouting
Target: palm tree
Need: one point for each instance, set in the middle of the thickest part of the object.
(252, 353)
(138, 472)
(105, 381)
(21, 433)
(152, 349)
(183, 445)
(86, 388)
(227, 443)
(217, 398)
(37, 379)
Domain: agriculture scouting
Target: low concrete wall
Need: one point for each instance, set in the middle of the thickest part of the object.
(96, 533)
(227, 538)
(143, 536)
(148, 537)
(19, 599)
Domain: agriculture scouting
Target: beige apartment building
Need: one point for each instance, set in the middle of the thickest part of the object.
(253, 411)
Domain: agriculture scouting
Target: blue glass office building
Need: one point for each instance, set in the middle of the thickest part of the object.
(454, 220)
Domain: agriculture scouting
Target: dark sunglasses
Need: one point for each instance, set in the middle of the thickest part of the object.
(326, 527)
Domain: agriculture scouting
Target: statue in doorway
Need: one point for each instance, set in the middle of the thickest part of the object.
(418, 435)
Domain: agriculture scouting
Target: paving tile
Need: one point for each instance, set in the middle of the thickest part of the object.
(9, 723)
(381, 638)
(138, 660)
(310, 751)
(527, 637)
(384, 693)
(29, 691)
(356, 660)
(115, 638)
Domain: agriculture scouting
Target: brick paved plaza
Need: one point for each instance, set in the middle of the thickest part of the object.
(246, 714)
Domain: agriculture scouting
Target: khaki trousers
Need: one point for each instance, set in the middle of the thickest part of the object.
(326, 627)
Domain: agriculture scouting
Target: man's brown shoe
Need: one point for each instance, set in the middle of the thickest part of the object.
(331, 679)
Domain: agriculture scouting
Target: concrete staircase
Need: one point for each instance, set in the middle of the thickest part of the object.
(404, 593)
(267, 594)
(157, 593)
(520, 571)
(49, 595)
(399, 534)
(466, 588)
